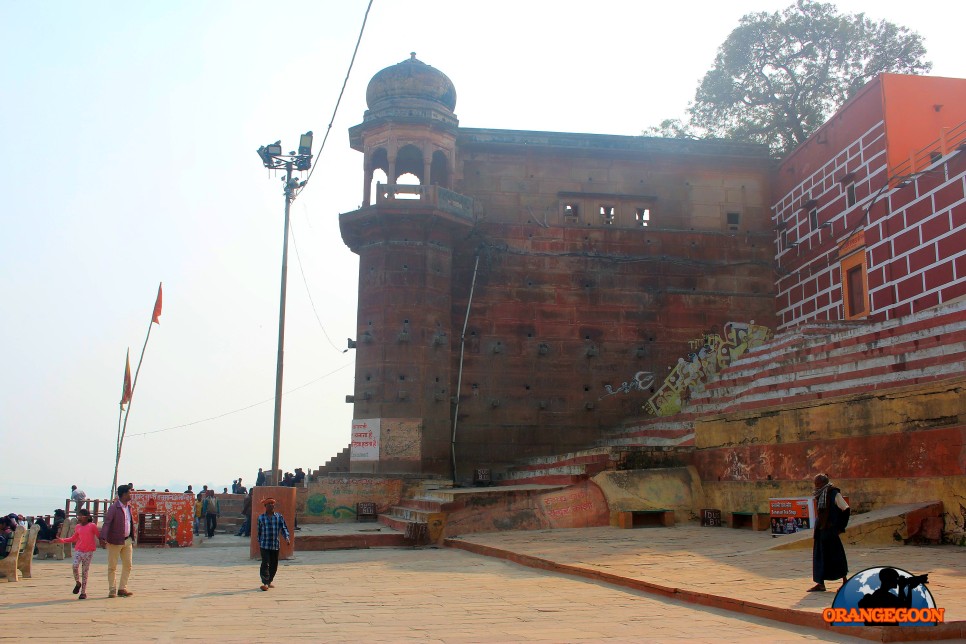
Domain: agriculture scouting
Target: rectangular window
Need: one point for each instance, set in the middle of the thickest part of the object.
(733, 219)
(571, 213)
(643, 216)
(850, 195)
(607, 215)
(855, 290)
(783, 245)
(813, 218)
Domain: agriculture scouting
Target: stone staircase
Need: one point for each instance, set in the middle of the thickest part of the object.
(231, 517)
(825, 361)
(815, 361)
(424, 508)
(338, 463)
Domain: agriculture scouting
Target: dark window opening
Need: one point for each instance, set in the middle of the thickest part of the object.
(733, 219)
(813, 218)
(784, 241)
(850, 195)
(643, 216)
(607, 215)
(571, 212)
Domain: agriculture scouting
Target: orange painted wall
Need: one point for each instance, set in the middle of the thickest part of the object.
(285, 505)
(912, 121)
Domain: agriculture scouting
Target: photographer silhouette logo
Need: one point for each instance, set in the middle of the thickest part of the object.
(884, 597)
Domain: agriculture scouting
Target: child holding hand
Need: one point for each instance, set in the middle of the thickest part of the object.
(85, 536)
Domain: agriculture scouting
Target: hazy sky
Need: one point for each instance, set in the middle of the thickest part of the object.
(129, 133)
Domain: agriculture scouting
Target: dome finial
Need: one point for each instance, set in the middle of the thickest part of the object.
(412, 55)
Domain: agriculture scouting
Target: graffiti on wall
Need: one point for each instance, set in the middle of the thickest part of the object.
(709, 355)
(401, 438)
(334, 499)
(641, 381)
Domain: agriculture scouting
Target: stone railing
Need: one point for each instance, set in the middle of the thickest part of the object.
(433, 196)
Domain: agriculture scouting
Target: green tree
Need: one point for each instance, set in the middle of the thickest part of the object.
(779, 76)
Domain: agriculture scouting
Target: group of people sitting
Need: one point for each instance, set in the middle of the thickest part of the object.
(290, 479)
(48, 529)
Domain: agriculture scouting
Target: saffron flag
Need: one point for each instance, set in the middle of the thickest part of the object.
(126, 393)
(157, 308)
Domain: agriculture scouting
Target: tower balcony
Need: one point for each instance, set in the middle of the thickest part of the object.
(398, 195)
(407, 209)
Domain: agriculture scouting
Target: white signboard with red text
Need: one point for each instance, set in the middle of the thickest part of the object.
(365, 440)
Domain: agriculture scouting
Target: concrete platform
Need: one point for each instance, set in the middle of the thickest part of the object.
(736, 570)
(433, 595)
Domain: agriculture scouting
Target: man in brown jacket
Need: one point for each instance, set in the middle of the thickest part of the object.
(117, 533)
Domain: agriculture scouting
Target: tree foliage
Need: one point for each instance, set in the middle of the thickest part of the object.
(779, 76)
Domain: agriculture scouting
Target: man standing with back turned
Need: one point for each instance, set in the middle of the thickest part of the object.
(269, 525)
(118, 532)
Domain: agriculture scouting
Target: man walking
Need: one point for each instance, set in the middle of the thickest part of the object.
(117, 534)
(269, 525)
(211, 514)
(828, 555)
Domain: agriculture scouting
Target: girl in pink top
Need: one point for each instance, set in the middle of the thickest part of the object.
(85, 536)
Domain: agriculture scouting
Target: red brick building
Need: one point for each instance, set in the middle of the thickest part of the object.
(869, 213)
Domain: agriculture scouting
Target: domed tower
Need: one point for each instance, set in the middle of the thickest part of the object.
(404, 236)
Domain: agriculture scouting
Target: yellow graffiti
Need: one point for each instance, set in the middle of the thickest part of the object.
(709, 355)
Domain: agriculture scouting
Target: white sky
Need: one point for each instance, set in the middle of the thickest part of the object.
(129, 133)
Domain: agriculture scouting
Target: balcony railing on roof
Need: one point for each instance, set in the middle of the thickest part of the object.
(949, 139)
(398, 194)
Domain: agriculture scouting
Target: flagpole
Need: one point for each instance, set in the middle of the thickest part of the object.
(120, 413)
(127, 412)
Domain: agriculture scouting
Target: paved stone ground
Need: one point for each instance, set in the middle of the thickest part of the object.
(731, 563)
(209, 593)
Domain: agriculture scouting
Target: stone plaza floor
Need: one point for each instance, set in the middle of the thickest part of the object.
(210, 592)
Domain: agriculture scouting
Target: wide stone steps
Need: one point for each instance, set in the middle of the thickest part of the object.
(875, 356)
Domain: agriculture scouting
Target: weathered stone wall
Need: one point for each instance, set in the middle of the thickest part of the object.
(674, 488)
(902, 446)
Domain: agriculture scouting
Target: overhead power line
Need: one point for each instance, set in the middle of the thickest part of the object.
(308, 291)
(241, 409)
(335, 111)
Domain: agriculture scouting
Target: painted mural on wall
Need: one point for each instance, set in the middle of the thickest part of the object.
(709, 355)
(334, 499)
(401, 439)
(178, 509)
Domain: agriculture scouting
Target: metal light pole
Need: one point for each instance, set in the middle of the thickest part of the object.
(273, 159)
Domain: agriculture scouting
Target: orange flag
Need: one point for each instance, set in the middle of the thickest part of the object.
(126, 394)
(157, 307)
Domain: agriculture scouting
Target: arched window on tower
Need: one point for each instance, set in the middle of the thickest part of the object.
(409, 171)
(378, 176)
(408, 179)
(379, 172)
(439, 169)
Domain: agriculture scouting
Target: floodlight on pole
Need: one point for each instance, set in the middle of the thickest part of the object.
(273, 159)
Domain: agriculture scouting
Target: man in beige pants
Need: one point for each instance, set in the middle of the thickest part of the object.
(117, 533)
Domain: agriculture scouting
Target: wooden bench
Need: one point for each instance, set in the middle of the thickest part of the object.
(47, 549)
(27, 551)
(645, 518)
(8, 564)
(756, 521)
